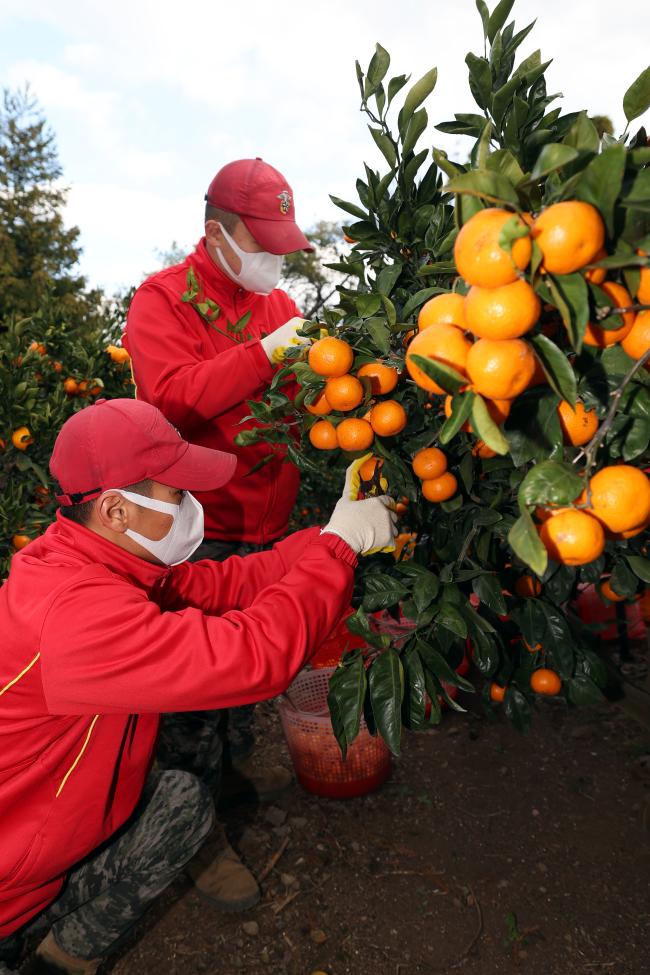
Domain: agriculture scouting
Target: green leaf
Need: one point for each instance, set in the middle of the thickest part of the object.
(640, 567)
(485, 184)
(415, 692)
(436, 664)
(555, 637)
(414, 130)
(350, 208)
(533, 427)
(302, 462)
(367, 304)
(526, 544)
(379, 333)
(449, 617)
(637, 98)
(382, 591)
(337, 717)
(482, 8)
(417, 94)
(385, 146)
(461, 408)
(623, 580)
(557, 368)
(480, 79)
(554, 156)
(346, 692)
(386, 682)
(486, 428)
(550, 482)
(379, 64)
(601, 182)
(582, 691)
(444, 375)
(425, 590)
(498, 18)
(517, 708)
(571, 297)
(488, 589)
(387, 278)
(583, 134)
(396, 84)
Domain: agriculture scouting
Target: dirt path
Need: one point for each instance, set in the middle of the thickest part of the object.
(485, 853)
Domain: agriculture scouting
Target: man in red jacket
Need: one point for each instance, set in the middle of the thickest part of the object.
(105, 624)
(204, 337)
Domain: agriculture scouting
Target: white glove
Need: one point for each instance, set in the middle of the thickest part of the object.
(367, 526)
(276, 343)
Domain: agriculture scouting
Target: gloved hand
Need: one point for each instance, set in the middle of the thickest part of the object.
(367, 526)
(276, 343)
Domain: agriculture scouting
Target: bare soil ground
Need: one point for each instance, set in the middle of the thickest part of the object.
(486, 852)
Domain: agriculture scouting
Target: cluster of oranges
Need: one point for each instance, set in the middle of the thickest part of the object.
(332, 359)
(430, 465)
(616, 505)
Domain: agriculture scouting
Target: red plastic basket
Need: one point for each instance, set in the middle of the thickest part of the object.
(314, 750)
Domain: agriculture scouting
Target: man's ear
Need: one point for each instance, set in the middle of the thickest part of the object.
(214, 234)
(111, 512)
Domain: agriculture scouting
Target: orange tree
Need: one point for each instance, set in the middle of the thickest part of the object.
(498, 328)
(48, 371)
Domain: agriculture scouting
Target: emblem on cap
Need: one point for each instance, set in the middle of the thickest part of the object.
(285, 201)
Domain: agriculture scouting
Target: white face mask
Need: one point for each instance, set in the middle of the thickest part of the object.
(185, 534)
(260, 272)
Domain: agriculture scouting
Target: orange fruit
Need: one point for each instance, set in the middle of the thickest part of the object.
(344, 392)
(621, 298)
(539, 376)
(57, 366)
(502, 313)
(440, 488)
(118, 353)
(383, 379)
(643, 291)
(480, 259)
(388, 418)
(445, 344)
(405, 542)
(71, 386)
(620, 497)
(445, 309)
(429, 463)
(500, 369)
(572, 537)
(320, 406)
(82, 388)
(637, 341)
(577, 427)
(596, 275)
(481, 449)
(545, 681)
(21, 438)
(543, 513)
(605, 589)
(369, 467)
(19, 541)
(401, 506)
(497, 692)
(528, 586)
(569, 235)
(354, 434)
(323, 435)
(42, 495)
(37, 347)
(330, 356)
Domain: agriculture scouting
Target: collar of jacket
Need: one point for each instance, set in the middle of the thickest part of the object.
(217, 281)
(73, 539)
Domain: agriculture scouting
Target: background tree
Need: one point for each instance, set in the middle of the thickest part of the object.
(38, 253)
(307, 278)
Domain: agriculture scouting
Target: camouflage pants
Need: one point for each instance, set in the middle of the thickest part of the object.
(199, 741)
(109, 891)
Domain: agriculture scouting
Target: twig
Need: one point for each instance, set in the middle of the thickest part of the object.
(274, 859)
(589, 452)
(280, 906)
(466, 544)
(605, 310)
(477, 934)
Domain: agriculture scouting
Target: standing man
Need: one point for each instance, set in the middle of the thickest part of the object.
(204, 337)
(104, 625)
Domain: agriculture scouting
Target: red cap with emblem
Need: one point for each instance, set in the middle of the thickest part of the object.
(118, 442)
(261, 196)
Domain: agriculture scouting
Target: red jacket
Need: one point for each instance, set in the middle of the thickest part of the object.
(96, 642)
(201, 379)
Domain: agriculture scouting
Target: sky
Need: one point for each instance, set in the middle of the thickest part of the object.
(149, 99)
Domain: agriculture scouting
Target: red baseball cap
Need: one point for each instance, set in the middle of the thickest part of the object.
(261, 196)
(118, 442)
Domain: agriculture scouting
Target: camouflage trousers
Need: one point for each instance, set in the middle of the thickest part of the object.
(200, 741)
(109, 891)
